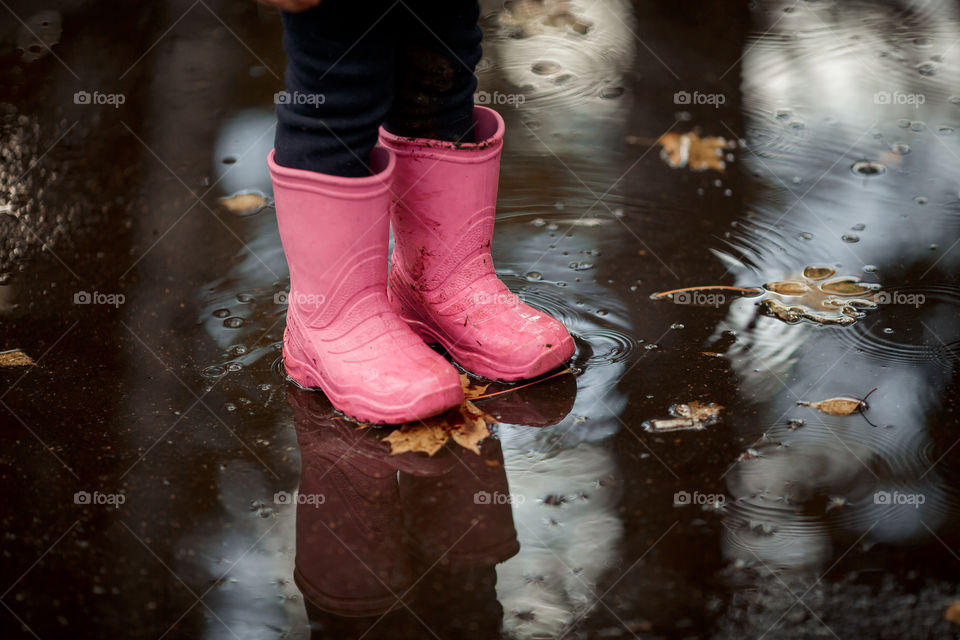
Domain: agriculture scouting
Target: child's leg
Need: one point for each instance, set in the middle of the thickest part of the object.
(436, 56)
(339, 85)
(442, 280)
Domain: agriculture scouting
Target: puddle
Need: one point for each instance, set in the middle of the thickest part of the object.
(839, 217)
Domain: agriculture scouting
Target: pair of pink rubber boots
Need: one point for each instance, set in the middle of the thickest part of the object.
(358, 333)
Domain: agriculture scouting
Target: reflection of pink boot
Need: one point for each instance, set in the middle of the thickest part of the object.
(442, 280)
(342, 334)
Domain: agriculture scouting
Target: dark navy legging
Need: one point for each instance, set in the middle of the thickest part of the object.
(353, 65)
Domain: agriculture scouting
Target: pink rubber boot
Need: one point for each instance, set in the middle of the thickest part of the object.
(442, 280)
(342, 334)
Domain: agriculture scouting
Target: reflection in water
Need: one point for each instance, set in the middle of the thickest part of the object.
(377, 532)
(807, 491)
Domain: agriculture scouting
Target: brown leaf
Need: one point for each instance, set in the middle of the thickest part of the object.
(818, 273)
(15, 358)
(426, 438)
(250, 202)
(835, 406)
(474, 429)
(787, 287)
(688, 416)
(470, 390)
(690, 150)
(466, 425)
(952, 614)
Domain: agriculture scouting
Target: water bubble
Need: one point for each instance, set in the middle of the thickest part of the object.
(870, 268)
(234, 322)
(900, 148)
(933, 247)
(917, 125)
(213, 371)
(229, 406)
(545, 68)
(945, 130)
(538, 222)
(805, 235)
(602, 312)
(264, 387)
(233, 367)
(221, 313)
(920, 200)
(887, 330)
(858, 227)
(903, 123)
(784, 114)
(244, 298)
(922, 42)
(794, 423)
(237, 350)
(868, 168)
(677, 325)
(229, 160)
(581, 266)
(927, 69)
(534, 276)
(651, 346)
(609, 93)
(850, 237)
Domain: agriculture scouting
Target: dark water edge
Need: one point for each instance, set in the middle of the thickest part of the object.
(174, 398)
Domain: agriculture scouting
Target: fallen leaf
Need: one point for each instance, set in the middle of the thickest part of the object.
(787, 287)
(952, 614)
(474, 430)
(426, 438)
(818, 273)
(245, 202)
(691, 416)
(841, 406)
(15, 358)
(471, 391)
(466, 425)
(690, 150)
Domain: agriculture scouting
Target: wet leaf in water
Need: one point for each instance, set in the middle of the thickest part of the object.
(846, 287)
(471, 391)
(15, 358)
(691, 416)
(245, 203)
(796, 313)
(818, 273)
(952, 614)
(466, 425)
(840, 406)
(690, 150)
(787, 287)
